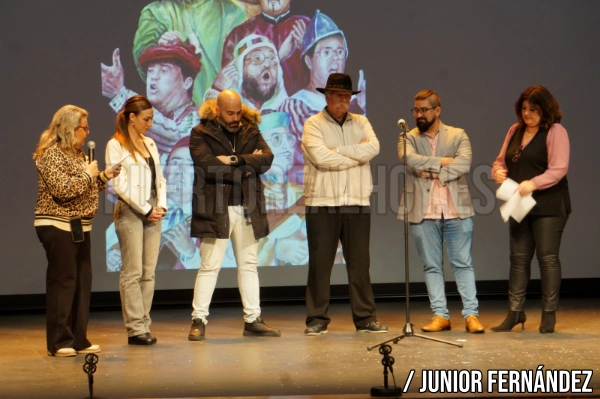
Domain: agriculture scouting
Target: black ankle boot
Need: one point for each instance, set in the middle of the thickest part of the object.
(511, 320)
(548, 322)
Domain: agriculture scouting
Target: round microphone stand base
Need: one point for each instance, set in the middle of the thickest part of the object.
(383, 392)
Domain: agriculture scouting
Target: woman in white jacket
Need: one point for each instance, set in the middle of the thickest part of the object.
(140, 207)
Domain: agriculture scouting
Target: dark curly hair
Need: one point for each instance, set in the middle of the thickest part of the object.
(540, 98)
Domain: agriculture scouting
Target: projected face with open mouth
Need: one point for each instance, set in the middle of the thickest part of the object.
(260, 74)
(329, 57)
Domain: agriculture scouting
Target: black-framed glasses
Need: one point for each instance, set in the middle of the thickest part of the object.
(517, 155)
(86, 128)
(422, 111)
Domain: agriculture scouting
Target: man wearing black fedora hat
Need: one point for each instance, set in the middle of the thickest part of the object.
(337, 147)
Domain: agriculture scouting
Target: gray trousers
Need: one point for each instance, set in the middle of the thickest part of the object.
(139, 240)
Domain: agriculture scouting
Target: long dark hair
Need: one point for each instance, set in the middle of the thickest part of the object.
(543, 100)
(134, 105)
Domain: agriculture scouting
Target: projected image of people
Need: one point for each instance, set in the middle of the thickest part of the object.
(286, 243)
(256, 73)
(169, 78)
(284, 30)
(324, 51)
(187, 52)
(204, 24)
(178, 250)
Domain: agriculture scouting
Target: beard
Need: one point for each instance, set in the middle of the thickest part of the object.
(233, 127)
(423, 124)
(255, 90)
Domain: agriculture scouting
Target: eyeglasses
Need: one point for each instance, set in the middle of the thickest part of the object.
(422, 111)
(277, 138)
(327, 53)
(517, 155)
(86, 128)
(259, 59)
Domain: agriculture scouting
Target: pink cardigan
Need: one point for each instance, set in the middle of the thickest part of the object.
(557, 143)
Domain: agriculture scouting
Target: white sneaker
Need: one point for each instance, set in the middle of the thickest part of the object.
(91, 349)
(63, 352)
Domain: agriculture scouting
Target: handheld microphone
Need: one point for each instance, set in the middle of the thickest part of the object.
(91, 146)
(402, 124)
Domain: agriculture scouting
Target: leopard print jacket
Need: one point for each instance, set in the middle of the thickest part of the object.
(65, 190)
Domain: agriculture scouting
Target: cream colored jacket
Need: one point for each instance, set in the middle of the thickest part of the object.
(135, 180)
(342, 177)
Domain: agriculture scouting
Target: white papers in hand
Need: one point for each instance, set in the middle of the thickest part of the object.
(516, 206)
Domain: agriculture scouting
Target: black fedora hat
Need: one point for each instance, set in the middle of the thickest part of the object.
(338, 82)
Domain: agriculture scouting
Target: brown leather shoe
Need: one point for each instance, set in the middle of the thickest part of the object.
(438, 323)
(473, 325)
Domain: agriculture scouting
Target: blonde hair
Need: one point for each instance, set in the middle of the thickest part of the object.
(134, 105)
(61, 130)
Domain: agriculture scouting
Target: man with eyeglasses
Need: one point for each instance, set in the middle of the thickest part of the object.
(284, 30)
(275, 128)
(337, 147)
(255, 73)
(324, 51)
(286, 243)
(440, 209)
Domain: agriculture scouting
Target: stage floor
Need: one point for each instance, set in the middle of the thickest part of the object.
(333, 365)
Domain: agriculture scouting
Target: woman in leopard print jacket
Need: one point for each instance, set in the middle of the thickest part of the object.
(68, 187)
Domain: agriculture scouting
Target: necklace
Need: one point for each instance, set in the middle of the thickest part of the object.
(531, 133)
(234, 134)
(528, 137)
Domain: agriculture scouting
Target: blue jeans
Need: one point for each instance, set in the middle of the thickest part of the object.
(430, 234)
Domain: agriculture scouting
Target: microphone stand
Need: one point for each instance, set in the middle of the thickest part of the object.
(408, 330)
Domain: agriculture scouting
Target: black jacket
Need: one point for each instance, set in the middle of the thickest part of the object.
(213, 179)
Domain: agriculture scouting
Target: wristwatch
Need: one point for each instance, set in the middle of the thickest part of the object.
(233, 159)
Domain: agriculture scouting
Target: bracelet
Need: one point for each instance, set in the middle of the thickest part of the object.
(430, 176)
(88, 176)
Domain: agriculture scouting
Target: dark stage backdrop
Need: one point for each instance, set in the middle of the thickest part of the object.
(478, 55)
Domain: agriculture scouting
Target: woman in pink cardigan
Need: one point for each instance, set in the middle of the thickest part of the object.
(535, 154)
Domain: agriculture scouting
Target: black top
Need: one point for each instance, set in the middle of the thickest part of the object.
(152, 166)
(533, 161)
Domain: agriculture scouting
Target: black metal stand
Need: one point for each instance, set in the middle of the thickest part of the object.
(407, 331)
(91, 359)
(388, 362)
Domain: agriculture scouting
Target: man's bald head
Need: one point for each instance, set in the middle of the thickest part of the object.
(229, 98)
(229, 110)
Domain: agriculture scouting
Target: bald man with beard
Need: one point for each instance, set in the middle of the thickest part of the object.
(229, 154)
